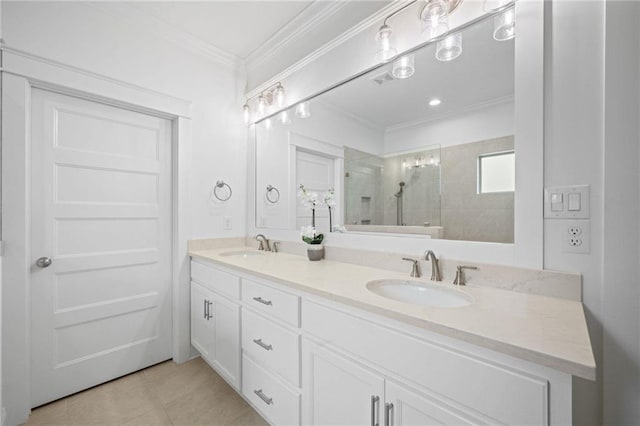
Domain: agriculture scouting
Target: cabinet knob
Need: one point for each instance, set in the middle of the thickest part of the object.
(44, 262)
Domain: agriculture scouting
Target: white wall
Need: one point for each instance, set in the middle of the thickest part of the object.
(621, 285)
(490, 122)
(91, 37)
(95, 38)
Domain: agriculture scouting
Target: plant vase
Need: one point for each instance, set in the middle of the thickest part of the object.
(315, 251)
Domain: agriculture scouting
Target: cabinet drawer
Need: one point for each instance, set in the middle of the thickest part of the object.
(504, 394)
(272, 346)
(276, 303)
(215, 279)
(278, 404)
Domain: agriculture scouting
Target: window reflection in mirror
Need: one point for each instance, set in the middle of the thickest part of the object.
(432, 154)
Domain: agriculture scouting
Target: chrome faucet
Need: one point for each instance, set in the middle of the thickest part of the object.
(460, 280)
(435, 267)
(415, 269)
(264, 242)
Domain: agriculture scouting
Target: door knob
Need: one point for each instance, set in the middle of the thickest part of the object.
(44, 262)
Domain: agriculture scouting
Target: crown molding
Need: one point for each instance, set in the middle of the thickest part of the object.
(342, 38)
(361, 120)
(468, 109)
(312, 16)
(135, 17)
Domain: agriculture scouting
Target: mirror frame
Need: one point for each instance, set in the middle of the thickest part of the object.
(527, 249)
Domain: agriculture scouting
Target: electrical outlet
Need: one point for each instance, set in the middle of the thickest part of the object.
(576, 238)
(227, 223)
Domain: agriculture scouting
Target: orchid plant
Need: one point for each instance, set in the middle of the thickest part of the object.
(329, 199)
(310, 200)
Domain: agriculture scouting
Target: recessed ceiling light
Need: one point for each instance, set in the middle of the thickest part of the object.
(435, 102)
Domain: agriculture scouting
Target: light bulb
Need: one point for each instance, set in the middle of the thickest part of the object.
(504, 26)
(385, 49)
(278, 95)
(449, 48)
(435, 102)
(284, 117)
(404, 67)
(302, 110)
(267, 123)
(435, 18)
(247, 114)
(262, 105)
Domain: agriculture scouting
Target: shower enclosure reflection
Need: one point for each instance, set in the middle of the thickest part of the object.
(397, 193)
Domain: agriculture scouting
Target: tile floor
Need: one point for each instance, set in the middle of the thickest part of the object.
(165, 394)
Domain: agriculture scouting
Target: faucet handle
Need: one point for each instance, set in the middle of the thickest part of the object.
(459, 280)
(274, 246)
(415, 269)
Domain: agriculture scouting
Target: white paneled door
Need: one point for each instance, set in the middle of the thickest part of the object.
(100, 243)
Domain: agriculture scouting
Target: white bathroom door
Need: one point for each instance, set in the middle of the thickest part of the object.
(101, 215)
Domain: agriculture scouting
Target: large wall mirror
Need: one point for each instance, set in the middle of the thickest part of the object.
(422, 145)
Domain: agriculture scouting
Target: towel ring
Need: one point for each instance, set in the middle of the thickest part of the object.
(272, 199)
(219, 185)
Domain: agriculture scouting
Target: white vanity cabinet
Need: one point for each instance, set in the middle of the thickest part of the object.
(304, 359)
(271, 351)
(427, 379)
(215, 319)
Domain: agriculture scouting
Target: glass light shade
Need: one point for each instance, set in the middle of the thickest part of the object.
(302, 110)
(246, 114)
(262, 105)
(434, 8)
(404, 67)
(504, 26)
(449, 48)
(284, 117)
(435, 27)
(385, 49)
(278, 95)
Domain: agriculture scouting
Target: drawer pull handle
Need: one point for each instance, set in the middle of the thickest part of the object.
(204, 311)
(262, 396)
(375, 399)
(209, 304)
(263, 345)
(261, 300)
(388, 410)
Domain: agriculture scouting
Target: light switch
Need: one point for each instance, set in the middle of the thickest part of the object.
(574, 202)
(556, 202)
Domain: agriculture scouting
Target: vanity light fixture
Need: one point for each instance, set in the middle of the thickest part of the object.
(267, 123)
(449, 48)
(504, 25)
(247, 114)
(384, 40)
(404, 67)
(302, 110)
(262, 105)
(435, 102)
(272, 95)
(278, 95)
(434, 17)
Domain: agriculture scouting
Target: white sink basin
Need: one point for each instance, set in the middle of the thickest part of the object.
(420, 293)
(242, 253)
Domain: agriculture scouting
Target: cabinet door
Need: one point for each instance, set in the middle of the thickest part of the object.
(201, 321)
(337, 391)
(226, 335)
(407, 408)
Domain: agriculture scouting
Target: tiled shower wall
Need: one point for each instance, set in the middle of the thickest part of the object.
(467, 215)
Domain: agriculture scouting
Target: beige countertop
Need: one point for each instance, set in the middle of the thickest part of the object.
(544, 330)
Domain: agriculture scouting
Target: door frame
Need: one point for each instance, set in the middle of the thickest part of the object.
(22, 72)
(301, 142)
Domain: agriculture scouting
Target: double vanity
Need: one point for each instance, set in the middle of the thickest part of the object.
(329, 342)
